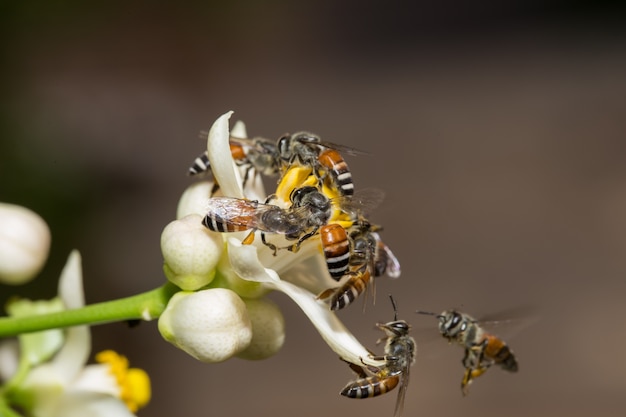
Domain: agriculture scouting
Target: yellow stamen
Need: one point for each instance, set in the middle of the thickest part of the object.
(134, 383)
(301, 176)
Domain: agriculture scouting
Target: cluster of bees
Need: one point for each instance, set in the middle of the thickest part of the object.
(316, 197)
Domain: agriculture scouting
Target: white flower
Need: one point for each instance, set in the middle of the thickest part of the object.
(65, 386)
(24, 244)
(252, 272)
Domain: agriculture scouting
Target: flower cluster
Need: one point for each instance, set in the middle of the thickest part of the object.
(221, 311)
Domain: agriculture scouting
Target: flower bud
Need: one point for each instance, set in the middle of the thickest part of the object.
(24, 244)
(210, 325)
(191, 252)
(268, 329)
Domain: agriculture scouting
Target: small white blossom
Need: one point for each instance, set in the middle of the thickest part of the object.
(24, 244)
(211, 325)
(65, 386)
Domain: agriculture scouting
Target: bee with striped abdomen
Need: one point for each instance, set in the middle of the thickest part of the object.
(482, 349)
(257, 156)
(310, 209)
(369, 258)
(324, 158)
(400, 351)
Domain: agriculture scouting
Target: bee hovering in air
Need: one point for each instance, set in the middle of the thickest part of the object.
(368, 257)
(324, 158)
(310, 210)
(400, 351)
(256, 155)
(482, 349)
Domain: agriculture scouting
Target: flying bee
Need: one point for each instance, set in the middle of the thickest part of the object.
(400, 350)
(369, 257)
(324, 158)
(482, 349)
(310, 210)
(258, 154)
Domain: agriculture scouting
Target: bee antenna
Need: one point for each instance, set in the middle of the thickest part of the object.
(395, 309)
(428, 313)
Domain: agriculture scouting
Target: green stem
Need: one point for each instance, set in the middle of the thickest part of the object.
(6, 411)
(146, 306)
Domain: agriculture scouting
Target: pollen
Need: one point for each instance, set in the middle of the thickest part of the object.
(134, 383)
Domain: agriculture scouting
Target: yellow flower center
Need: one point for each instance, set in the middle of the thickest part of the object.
(300, 176)
(134, 383)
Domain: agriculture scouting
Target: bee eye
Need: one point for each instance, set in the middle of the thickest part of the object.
(400, 325)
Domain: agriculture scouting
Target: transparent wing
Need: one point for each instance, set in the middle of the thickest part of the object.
(363, 201)
(343, 149)
(243, 213)
(404, 383)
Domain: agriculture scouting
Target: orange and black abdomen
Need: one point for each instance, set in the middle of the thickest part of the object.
(371, 386)
(338, 169)
(336, 249)
(498, 351)
(348, 292)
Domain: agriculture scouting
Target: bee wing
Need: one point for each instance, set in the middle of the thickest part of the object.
(343, 149)
(255, 142)
(404, 384)
(246, 214)
(392, 265)
(363, 200)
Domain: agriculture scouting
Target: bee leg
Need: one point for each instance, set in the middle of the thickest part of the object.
(245, 176)
(270, 198)
(296, 246)
(386, 358)
(357, 370)
(325, 294)
(248, 239)
(273, 247)
(468, 376)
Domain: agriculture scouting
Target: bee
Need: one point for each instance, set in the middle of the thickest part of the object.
(482, 349)
(310, 210)
(324, 158)
(258, 154)
(369, 257)
(400, 351)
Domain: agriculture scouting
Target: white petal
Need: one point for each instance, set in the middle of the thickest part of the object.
(97, 378)
(74, 354)
(71, 282)
(87, 404)
(239, 130)
(245, 261)
(194, 199)
(222, 165)
(9, 356)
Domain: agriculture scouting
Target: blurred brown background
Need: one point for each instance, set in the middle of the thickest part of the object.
(497, 130)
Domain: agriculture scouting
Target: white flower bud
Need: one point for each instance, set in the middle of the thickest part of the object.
(268, 329)
(24, 244)
(191, 252)
(210, 325)
(195, 199)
